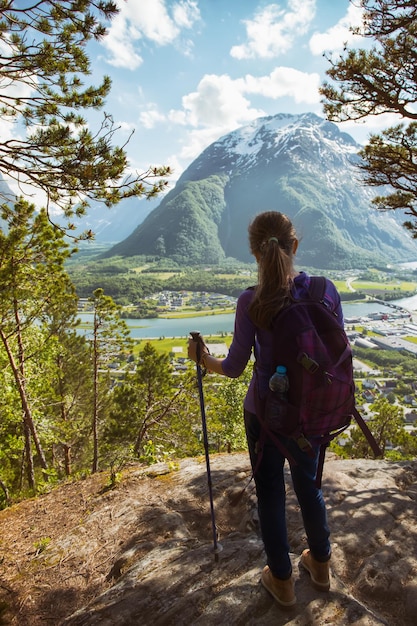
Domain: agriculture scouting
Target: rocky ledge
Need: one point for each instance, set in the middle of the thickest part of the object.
(142, 553)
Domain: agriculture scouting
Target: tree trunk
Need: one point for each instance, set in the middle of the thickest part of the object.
(95, 397)
(28, 456)
(5, 491)
(29, 427)
(67, 459)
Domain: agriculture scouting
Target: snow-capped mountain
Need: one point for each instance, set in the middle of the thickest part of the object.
(300, 165)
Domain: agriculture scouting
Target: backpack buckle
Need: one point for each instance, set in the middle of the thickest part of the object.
(308, 363)
(304, 443)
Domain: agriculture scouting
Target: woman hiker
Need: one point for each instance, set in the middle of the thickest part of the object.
(273, 243)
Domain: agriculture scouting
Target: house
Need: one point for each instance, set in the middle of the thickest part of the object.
(411, 417)
(369, 396)
(368, 384)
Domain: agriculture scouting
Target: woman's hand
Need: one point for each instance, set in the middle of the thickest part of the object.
(193, 345)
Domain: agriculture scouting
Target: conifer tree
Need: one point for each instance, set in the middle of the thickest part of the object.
(149, 404)
(110, 344)
(43, 62)
(387, 426)
(67, 399)
(33, 281)
(376, 79)
(11, 435)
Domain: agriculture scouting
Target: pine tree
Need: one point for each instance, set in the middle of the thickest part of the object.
(110, 344)
(67, 403)
(381, 79)
(32, 281)
(387, 426)
(43, 60)
(150, 405)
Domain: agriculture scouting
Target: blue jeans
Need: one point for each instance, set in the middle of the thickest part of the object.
(270, 491)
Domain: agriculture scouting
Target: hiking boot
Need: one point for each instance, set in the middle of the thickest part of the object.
(319, 572)
(281, 590)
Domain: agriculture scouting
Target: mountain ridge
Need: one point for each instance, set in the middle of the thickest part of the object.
(301, 165)
(108, 225)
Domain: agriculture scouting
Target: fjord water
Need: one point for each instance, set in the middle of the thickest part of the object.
(223, 323)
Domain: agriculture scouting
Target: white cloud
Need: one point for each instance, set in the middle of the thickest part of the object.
(373, 124)
(215, 108)
(119, 42)
(178, 117)
(284, 82)
(150, 19)
(273, 29)
(8, 130)
(151, 118)
(177, 169)
(336, 37)
(147, 20)
(126, 127)
(218, 101)
(185, 13)
(198, 139)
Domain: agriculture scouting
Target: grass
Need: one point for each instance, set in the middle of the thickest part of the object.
(371, 286)
(394, 286)
(341, 286)
(166, 346)
(160, 275)
(194, 313)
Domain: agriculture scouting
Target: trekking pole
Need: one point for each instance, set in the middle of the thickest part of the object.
(198, 338)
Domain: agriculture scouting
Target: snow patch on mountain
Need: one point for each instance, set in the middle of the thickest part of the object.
(301, 165)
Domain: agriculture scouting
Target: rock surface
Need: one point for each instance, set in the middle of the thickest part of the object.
(142, 553)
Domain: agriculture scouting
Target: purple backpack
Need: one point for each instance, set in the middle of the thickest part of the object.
(320, 401)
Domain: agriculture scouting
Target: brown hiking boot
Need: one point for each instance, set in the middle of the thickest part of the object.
(281, 590)
(319, 572)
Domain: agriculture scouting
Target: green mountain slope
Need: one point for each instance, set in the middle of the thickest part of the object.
(300, 165)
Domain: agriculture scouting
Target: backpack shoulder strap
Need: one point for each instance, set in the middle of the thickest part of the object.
(317, 288)
(369, 436)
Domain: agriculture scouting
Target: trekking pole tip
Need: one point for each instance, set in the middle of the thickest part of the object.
(218, 548)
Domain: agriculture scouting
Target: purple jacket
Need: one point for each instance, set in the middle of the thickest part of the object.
(246, 334)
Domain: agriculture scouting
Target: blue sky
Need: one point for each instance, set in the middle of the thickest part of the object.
(186, 72)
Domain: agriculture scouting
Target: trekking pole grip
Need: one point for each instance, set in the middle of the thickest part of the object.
(196, 336)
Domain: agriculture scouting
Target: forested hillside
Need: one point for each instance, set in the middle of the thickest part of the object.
(298, 164)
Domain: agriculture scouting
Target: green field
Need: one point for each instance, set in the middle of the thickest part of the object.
(377, 287)
(167, 346)
(341, 286)
(195, 313)
(388, 286)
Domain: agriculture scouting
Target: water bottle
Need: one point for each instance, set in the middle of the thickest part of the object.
(277, 401)
(279, 380)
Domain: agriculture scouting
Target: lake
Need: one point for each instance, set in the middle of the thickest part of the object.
(161, 327)
(217, 324)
